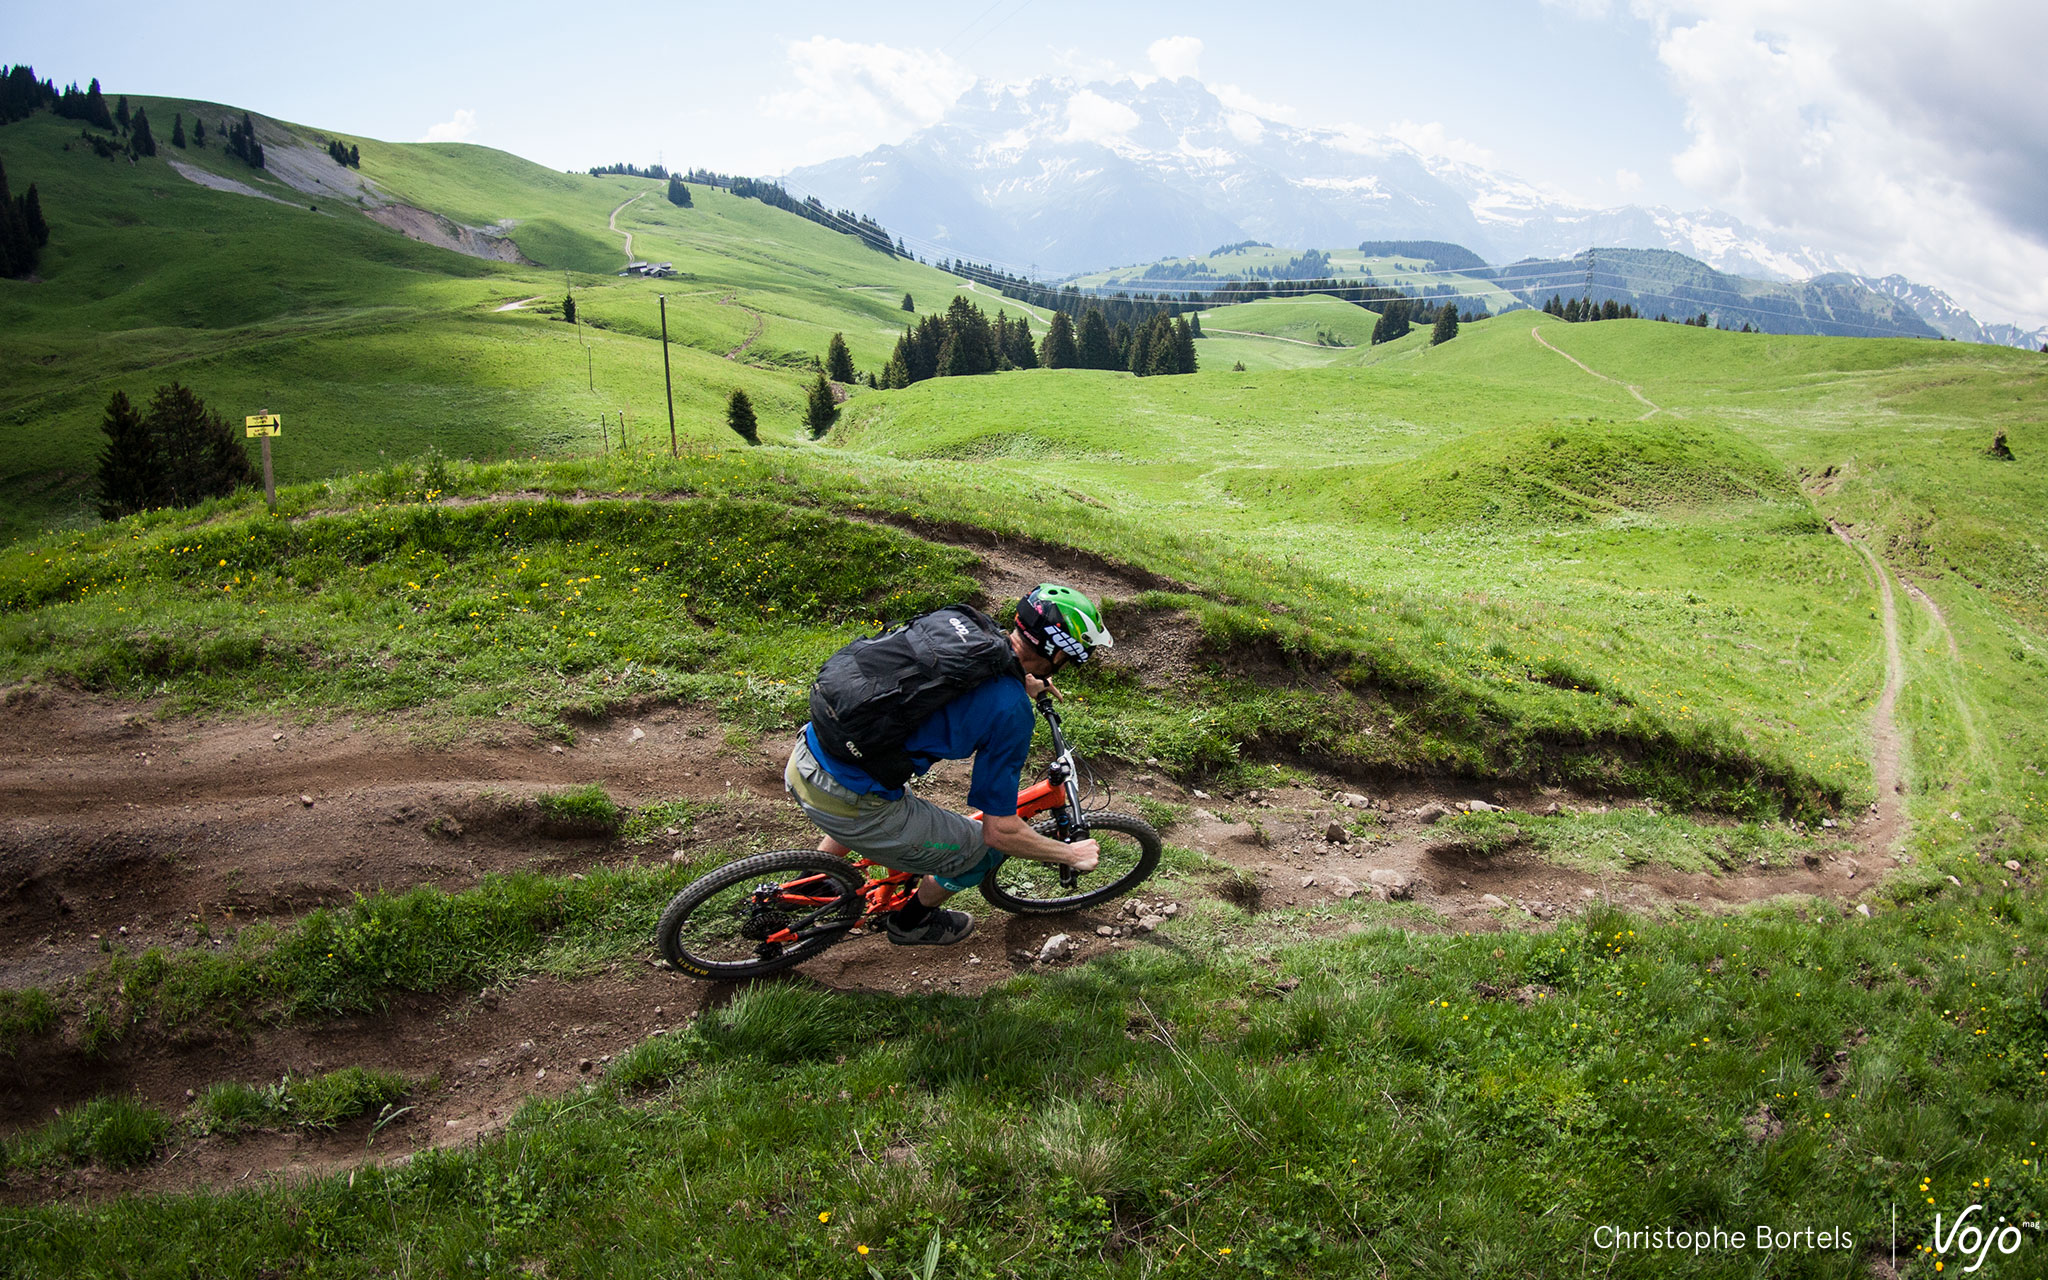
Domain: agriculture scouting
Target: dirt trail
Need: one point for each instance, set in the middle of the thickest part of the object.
(519, 305)
(121, 829)
(731, 300)
(1886, 748)
(1536, 332)
(613, 222)
(1933, 611)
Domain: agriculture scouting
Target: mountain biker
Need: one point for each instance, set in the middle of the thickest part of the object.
(992, 722)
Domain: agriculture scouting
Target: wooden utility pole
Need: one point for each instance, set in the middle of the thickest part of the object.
(666, 381)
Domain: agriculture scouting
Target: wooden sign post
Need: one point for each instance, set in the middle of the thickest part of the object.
(265, 425)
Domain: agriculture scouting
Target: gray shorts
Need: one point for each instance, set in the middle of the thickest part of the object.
(911, 834)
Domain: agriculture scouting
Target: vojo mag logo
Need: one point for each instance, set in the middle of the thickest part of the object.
(1971, 1242)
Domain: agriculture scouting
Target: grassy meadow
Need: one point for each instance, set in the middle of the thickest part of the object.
(1468, 561)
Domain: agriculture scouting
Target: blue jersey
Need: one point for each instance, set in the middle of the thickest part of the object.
(991, 722)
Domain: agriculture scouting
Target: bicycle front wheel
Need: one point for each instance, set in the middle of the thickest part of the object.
(761, 915)
(1130, 852)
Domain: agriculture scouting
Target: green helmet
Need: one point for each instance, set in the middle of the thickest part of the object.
(1057, 619)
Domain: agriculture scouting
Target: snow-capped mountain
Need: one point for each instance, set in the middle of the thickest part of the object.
(1055, 178)
(1948, 318)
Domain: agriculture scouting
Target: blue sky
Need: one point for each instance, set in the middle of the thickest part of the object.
(1904, 136)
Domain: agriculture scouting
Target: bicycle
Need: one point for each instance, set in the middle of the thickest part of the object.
(771, 911)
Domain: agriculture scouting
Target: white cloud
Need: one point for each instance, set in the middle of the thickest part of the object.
(1244, 127)
(1431, 140)
(1905, 137)
(1238, 100)
(1176, 56)
(1581, 8)
(1094, 118)
(458, 129)
(1627, 181)
(855, 96)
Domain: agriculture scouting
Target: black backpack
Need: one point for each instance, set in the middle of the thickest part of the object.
(874, 693)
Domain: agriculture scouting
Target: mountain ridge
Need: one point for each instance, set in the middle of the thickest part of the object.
(1061, 177)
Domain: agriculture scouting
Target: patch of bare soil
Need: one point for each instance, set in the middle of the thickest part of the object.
(310, 169)
(431, 228)
(217, 182)
(124, 828)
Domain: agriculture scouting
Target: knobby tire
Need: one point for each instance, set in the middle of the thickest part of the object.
(705, 932)
(1130, 853)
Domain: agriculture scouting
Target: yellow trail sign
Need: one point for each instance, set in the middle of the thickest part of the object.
(261, 424)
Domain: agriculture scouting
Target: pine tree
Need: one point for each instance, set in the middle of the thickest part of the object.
(178, 130)
(838, 360)
(1001, 333)
(1446, 325)
(96, 108)
(121, 117)
(1393, 322)
(1022, 351)
(1058, 351)
(1165, 352)
(22, 231)
(201, 457)
(198, 132)
(971, 348)
(1184, 346)
(569, 308)
(678, 193)
(908, 305)
(927, 342)
(1141, 351)
(131, 466)
(143, 143)
(355, 156)
(820, 409)
(32, 218)
(739, 415)
(1098, 350)
(1195, 324)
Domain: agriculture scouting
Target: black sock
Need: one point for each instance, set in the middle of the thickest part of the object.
(911, 914)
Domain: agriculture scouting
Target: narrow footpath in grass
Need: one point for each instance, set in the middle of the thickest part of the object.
(1537, 333)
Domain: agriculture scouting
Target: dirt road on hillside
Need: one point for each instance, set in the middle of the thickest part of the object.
(613, 222)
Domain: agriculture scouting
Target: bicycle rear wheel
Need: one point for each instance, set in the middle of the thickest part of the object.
(721, 925)
(1130, 852)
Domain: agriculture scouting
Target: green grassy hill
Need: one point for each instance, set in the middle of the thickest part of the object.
(1598, 557)
(375, 346)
